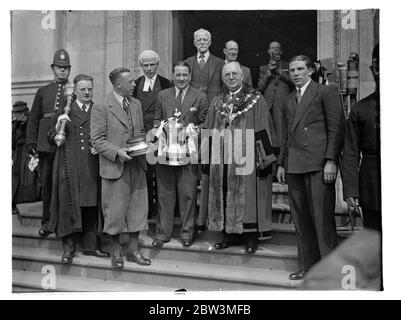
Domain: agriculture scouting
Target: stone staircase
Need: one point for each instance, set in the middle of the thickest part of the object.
(198, 268)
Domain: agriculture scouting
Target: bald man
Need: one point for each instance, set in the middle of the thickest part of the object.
(231, 51)
(147, 87)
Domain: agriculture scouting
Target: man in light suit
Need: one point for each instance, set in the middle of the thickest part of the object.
(205, 67)
(312, 138)
(178, 181)
(124, 191)
(231, 52)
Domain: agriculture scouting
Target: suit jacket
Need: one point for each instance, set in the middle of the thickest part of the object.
(275, 90)
(110, 131)
(48, 99)
(313, 131)
(148, 99)
(215, 81)
(193, 99)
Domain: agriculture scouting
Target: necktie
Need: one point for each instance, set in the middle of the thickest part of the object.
(299, 96)
(126, 107)
(179, 97)
(202, 61)
(84, 107)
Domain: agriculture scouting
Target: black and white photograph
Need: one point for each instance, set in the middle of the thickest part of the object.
(182, 151)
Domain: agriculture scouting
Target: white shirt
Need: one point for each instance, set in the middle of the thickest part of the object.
(119, 98)
(149, 83)
(206, 56)
(80, 104)
(303, 88)
(177, 92)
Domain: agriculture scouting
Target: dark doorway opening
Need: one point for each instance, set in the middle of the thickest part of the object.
(296, 30)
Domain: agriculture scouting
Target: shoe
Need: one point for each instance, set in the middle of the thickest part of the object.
(157, 243)
(138, 258)
(187, 243)
(250, 249)
(222, 245)
(117, 260)
(67, 257)
(43, 232)
(96, 253)
(299, 275)
(201, 229)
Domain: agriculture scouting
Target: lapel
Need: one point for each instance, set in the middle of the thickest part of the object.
(87, 114)
(80, 116)
(117, 110)
(141, 83)
(212, 66)
(306, 100)
(188, 101)
(170, 107)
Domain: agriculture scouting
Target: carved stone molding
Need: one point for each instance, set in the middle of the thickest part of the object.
(136, 42)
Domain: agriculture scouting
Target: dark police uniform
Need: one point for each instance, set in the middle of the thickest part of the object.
(48, 100)
(362, 179)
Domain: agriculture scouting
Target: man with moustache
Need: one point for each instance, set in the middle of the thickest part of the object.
(313, 127)
(231, 51)
(240, 195)
(178, 182)
(275, 85)
(147, 87)
(124, 190)
(48, 99)
(205, 67)
(361, 179)
(74, 208)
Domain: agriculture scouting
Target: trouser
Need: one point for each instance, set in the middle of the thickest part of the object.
(372, 219)
(152, 190)
(89, 232)
(178, 181)
(45, 173)
(312, 204)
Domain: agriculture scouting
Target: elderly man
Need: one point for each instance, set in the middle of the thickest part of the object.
(178, 182)
(74, 208)
(240, 192)
(147, 87)
(275, 85)
(231, 51)
(124, 190)
(312, 138)
(206, 68)
(361, 180)
(48, 99)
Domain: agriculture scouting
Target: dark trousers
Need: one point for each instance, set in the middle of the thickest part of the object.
(88, 234)
(172, 183)
(45, 174)
(312, 204)
(152, 190)
(372, 219)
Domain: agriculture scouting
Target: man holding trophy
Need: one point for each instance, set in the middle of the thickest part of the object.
(180, 110)
(124, 188)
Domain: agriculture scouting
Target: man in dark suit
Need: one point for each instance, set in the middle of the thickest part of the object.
(48, 99)
(147, 87)
(74, 208)
(178, 182)
(312, 138)
(205, 67)
(231, 51)
(124, 189)
(362, 181)
(275, 85)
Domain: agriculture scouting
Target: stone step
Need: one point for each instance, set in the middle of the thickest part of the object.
(28, 281)
(192, 276)
(269, 256)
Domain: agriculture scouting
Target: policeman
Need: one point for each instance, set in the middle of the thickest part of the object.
(361, 179)
(48, 99)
